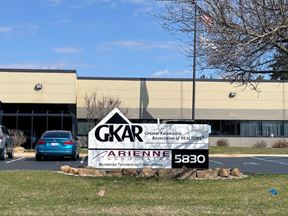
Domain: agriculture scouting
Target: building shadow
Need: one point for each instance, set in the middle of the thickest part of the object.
(144, 101)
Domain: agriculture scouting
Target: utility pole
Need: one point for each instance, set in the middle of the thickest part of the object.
(194, 62)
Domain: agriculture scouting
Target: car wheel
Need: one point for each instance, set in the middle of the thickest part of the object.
(3, 154)
(11, 154)
(75, 156)
(38, 157)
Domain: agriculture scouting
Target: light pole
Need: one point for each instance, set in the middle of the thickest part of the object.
(194, 62)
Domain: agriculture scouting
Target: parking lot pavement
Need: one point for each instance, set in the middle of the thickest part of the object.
(29, 163)
(253, 164)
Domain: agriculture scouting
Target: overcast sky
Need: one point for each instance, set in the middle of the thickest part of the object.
(115, 38)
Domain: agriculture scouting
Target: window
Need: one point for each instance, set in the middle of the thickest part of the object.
(5, 131)
(246, 128)
(57, 134)
(83, 127)
(230, 128)
(272, 128)
(250, 128)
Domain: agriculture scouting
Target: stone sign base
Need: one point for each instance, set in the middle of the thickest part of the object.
(184, 173)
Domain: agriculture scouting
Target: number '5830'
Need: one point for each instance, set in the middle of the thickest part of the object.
(189, 158)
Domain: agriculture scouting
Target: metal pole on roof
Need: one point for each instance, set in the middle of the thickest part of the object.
(194, 62)
(1, 112)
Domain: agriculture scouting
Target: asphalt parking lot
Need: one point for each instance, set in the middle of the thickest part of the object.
(29, 163)
(253, 164)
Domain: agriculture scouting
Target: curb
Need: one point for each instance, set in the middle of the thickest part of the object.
(32, 154)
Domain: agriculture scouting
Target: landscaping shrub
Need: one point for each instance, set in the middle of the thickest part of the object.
(260, 144)
(18, 137)
(280, 144)
(222, 142)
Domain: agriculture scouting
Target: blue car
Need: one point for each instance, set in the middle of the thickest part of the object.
(57, 143)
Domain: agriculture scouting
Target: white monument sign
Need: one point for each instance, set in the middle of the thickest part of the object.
(115, 142)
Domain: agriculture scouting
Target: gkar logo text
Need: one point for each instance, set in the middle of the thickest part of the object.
(120, 133)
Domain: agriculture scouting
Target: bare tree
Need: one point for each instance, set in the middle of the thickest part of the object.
(18, 137)
(239, 38)
(97, 107)
(281, 64)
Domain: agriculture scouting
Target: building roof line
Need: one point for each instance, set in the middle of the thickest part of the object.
(17, 70)
(166, 79)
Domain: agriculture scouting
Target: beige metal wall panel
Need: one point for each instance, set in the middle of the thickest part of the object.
(285, 96)
(18, 87)
(168, 99)
(216, 95)
(128, 91)
(164, 94)
(239, 114)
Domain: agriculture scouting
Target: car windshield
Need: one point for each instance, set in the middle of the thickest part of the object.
(58, 134)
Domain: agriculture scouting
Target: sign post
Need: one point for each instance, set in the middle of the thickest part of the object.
(115, 143)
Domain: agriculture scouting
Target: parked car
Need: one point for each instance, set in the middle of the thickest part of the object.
(6, 144)
(57, 143)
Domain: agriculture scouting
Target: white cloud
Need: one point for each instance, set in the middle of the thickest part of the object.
(54, 2)
(145, 6)
(60, 21)
(4, 29)
(138, 45)
(32, 65)
(67, 50)
(161, 73)
(144, 10)
(20, 29)
(137, 1)
(88, 3)
(26, 28)
(172, 74)
(55, 65)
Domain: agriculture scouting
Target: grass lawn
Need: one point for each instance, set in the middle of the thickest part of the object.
(243, 150)
(50, 193)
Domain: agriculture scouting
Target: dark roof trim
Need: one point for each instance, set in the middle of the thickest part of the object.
(139, 79)
(120, 78)
(36, 70)
(166, 79)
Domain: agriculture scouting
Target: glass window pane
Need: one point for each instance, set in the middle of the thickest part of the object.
(56, 135)
(272, 128)
(84, 127)
(215, 127)
(228, 128)
(250, 128)
(285, 129)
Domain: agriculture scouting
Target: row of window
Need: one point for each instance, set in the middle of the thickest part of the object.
(243, 128)
(248, 128)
